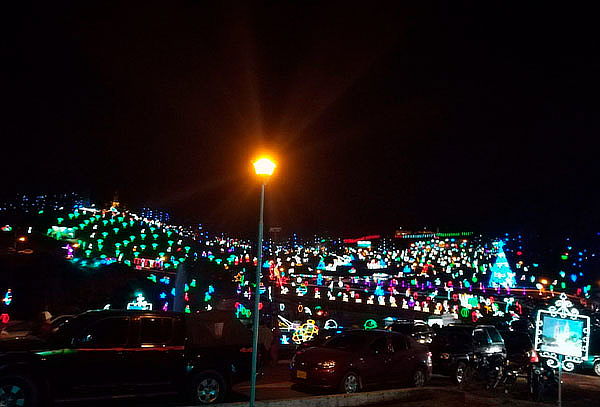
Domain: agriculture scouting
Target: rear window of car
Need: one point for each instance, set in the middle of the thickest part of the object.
(346, 342)
(517, 341)
(493, 333)
(453, 337)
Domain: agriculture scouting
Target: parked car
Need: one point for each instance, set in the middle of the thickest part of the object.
(103, 354)
(592, 362)
(355, 359)
(456, 347)
(419, 330)
(16, 329)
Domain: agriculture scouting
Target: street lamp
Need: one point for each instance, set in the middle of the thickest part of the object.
(264, 168)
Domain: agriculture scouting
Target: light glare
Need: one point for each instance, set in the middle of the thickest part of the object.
(264, 166)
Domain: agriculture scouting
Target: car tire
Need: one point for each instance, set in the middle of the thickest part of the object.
(207, 387)
(597, 367)
(351, 383)
(419, 378)
(18, 390)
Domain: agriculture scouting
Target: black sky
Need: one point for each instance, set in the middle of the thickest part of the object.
(462, 116)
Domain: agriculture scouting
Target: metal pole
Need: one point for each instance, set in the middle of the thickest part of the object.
(257, 300)
(560, 359)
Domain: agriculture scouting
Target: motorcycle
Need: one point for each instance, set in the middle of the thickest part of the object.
(543, 382)
(486, 370)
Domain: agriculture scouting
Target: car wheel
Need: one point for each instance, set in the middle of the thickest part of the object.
(597, 367)
(350, 383)
(419, 378)
(18, 391)
(460, 373)
(207, 388)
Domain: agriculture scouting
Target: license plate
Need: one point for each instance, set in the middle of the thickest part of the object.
(301, 374)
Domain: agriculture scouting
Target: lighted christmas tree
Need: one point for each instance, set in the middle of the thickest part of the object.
(501, 275)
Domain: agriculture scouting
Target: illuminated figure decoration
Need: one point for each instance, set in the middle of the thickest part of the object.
(330, 324)
(370, 324)
(69, 250)
(208, 294)
(284, 340)
(241, 311)
(7, 297)
(301, 290)
(151, 264)
(501, 273)
(140, 303)
(305, 332)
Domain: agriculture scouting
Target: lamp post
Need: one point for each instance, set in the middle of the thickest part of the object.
(264, 168)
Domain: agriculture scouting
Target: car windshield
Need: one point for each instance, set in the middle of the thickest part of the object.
(64, 331)
(346, 342)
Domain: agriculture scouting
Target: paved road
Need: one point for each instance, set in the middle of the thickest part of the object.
(578, 391)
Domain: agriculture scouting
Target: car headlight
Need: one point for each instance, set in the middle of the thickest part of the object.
(328, 364)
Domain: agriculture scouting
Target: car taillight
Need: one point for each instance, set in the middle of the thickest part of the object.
(444, 356)
(533, 356)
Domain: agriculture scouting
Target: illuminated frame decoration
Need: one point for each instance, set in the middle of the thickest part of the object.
(562, 335)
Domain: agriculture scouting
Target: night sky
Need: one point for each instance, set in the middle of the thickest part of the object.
(478, 117)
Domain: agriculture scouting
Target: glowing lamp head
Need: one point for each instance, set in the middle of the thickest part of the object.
(264, 167)
(22, 239)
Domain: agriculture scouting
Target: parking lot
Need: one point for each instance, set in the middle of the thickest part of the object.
(579, 390)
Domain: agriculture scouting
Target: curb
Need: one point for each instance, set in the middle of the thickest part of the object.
(357, 399)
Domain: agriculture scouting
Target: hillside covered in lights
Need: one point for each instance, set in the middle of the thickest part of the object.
(96, 239)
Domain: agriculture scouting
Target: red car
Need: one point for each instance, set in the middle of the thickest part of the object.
(354, 360)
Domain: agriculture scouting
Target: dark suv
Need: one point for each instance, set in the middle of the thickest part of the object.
(456, 346)
(104, 354)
